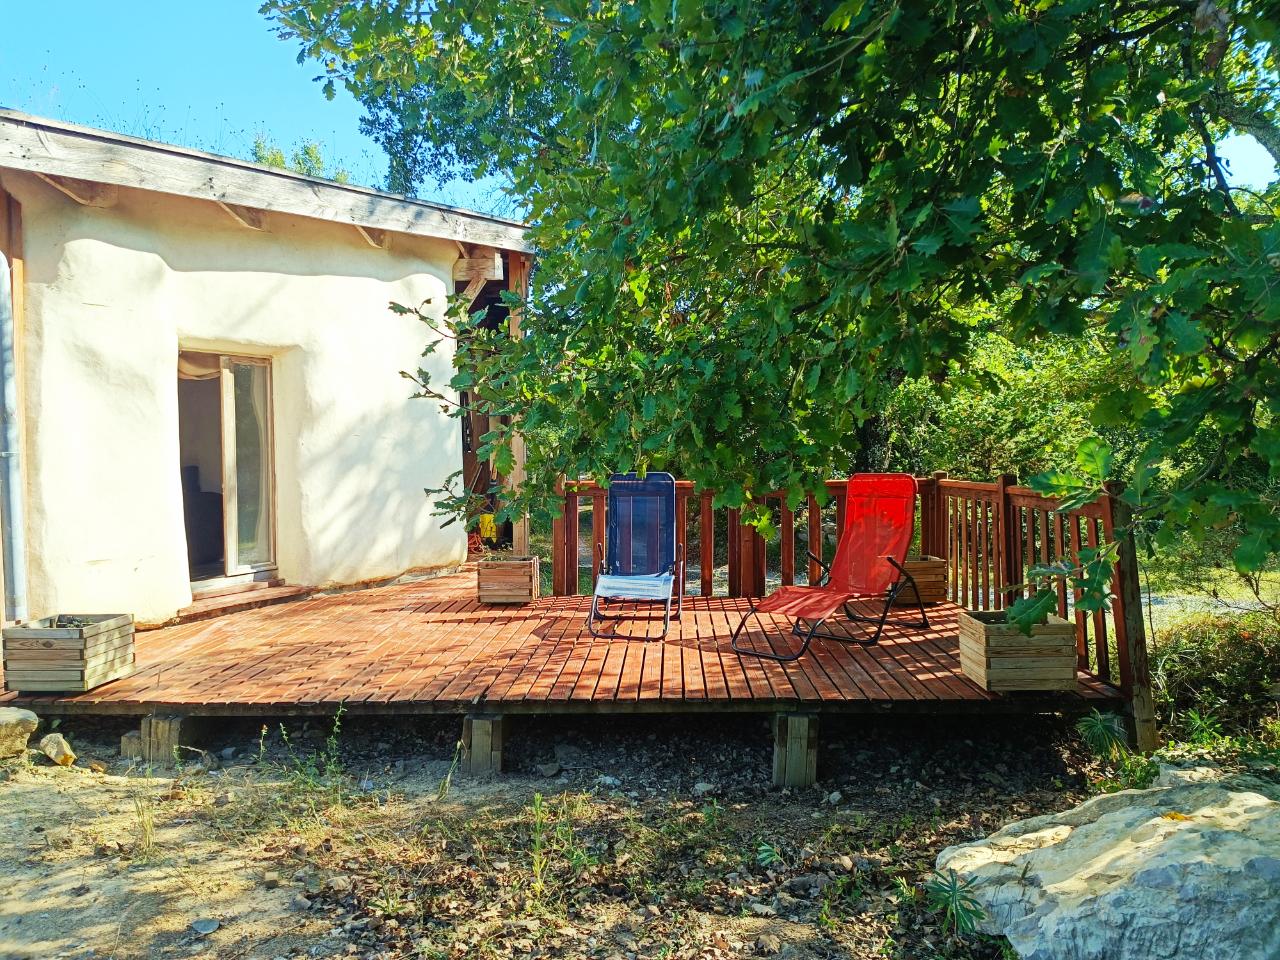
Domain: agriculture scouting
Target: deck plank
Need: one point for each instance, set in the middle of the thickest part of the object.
(429, 645)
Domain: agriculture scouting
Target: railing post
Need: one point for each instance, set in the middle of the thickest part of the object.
(1130, 632)
(558, 546)
(787, 544)
(814, 520)
(734, 534)
(571, 543)
(598, 532)
(707, 543)
(1009, 568)
(682, 535)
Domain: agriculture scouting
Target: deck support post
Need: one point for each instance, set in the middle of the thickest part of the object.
(795, 749)
(165, 736)
(482, 736)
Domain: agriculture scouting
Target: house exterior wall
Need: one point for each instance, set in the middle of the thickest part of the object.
(113, 293)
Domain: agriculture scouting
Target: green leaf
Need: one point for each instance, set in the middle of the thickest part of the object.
(1027, 612)
(1095, 458)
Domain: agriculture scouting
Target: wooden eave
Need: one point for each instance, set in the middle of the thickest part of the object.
(71, 154)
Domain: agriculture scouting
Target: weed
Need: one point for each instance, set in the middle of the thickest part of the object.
(1203, 728)
(903, 889)
(146, 841)
(838, 898)
(768, 855)
(446, 782)
(1103, 734)
(949, 895)
(538, 860)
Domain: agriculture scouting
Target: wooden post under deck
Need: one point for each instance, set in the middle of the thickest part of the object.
(795, 749)
(482, 735)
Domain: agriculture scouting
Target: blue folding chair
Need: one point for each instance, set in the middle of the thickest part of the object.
(643, 564)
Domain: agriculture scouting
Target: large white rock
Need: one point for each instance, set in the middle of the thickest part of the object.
(16, 726)
(1189, 870)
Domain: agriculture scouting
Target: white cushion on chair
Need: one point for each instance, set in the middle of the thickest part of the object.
(658, 586)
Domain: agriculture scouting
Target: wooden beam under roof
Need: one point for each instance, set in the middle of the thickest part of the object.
(84, 192)
(378, 239)
(482, 264)
(245, 216)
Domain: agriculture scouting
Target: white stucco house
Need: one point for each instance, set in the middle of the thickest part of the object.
(201, 373)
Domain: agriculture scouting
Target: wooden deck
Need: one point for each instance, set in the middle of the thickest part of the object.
(430, 647)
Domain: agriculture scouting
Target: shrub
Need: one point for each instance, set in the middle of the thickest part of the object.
(1219, 670)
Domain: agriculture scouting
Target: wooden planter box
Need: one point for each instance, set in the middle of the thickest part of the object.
(509, 580)
(930, 575)
(997, 656)
(68, 653)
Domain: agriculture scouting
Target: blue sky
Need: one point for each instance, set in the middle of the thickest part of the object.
(180, 73)
(207, 74)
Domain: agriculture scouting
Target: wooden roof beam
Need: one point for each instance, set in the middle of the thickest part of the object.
(484, 263)
(245, 216)
(378, 239)
(84, 192)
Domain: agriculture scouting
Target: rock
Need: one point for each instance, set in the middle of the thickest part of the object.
(768, 943)
(271, 879)
(567, 754)
(762, 909)
(1183, 871)
(1172, 776)
(548, 769)
(205, 927)
(835, 797)
(611, 782)
(55, 747)
(340, 883)
(16, 727)
(702, 789)
(299, 902)
(808, 883)
(222, 799)
(97, 766)
(228, 753)
(845, 862)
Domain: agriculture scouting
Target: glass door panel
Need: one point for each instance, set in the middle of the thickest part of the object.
(247, 464)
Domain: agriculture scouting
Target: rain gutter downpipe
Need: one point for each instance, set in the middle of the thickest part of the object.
(13, 541)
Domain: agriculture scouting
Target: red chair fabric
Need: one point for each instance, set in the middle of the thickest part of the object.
(879, 522)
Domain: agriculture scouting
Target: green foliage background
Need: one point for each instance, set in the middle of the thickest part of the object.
(779, 241)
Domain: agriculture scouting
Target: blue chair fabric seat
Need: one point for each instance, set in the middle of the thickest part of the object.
(644, 564)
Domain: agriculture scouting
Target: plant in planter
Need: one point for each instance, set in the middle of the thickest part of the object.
(1027, 646)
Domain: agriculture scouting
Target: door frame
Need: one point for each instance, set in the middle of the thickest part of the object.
(230, 482)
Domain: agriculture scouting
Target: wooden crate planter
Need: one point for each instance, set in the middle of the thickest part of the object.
(930, 575)
(997, 656)
(509, 580)
(68, 653)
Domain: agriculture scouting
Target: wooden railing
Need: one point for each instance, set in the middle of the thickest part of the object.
(989, 533)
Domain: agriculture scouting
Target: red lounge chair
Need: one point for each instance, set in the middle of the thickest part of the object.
(880, 513)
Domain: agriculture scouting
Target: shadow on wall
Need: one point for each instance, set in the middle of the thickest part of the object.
(195, 236)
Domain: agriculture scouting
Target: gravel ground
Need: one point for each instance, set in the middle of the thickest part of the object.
(618, 838)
